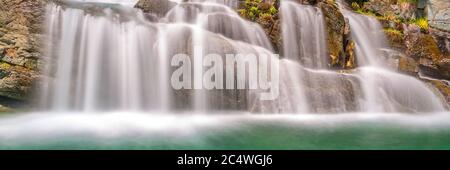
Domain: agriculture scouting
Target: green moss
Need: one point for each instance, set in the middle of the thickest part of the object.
(254, 9)
(5, 66)
(273, 10)
(395, 37)
(425, 47)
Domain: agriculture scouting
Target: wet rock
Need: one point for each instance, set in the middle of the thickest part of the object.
(329, 93)
(159, 7)
(444, 67)
(335, 29)
(395, 38)
(350, 60)
(408, 65)
(443, 88)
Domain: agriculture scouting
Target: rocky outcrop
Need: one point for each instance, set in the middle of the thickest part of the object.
(438, 13)
(340, 45)
(401, 9)
(424, 49)
(443, 39)
(159, 7)
(21, 28)
(335, 27)
(443, 87)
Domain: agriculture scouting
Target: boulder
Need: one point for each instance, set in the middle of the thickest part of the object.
(438, 13)
(408, 65)
(425, 49)
(335, 31)
(443, 39)
(422, 46)
(405, 10)
(159, 7)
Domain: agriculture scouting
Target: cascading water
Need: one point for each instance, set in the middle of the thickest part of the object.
(384, 89)
(111, 64)
(304, 34)
(116, 59)
(106, 57)
(370, 88)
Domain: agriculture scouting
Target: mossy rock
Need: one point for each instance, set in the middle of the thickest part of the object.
(442, 87)
(423, 46)
(396, 38)
(335, 30)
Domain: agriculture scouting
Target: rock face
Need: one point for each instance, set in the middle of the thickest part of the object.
(404, 10)
(159, 7)
(340, 46)
(443, 39)
(21, 27)
(438, 13)
(424, 49)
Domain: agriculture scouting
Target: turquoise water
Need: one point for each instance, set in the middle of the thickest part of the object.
(240, 131)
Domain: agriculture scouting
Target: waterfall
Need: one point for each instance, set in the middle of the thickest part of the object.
(385, 89)
(115, 59)
(118, 58)
(304, 34)
(308, 86)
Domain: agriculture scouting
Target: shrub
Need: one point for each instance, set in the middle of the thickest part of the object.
(422, 23)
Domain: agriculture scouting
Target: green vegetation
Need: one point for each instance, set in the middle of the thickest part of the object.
(254, 9)
(421, 22)
(408, 1)
(395, 37)
(393, 31)
(389, 17)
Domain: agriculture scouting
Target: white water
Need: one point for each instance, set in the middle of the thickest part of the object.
(304, 34)
(115, 59)
(309, 87)
(40, 127)
(386, 90)
(111, 78)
